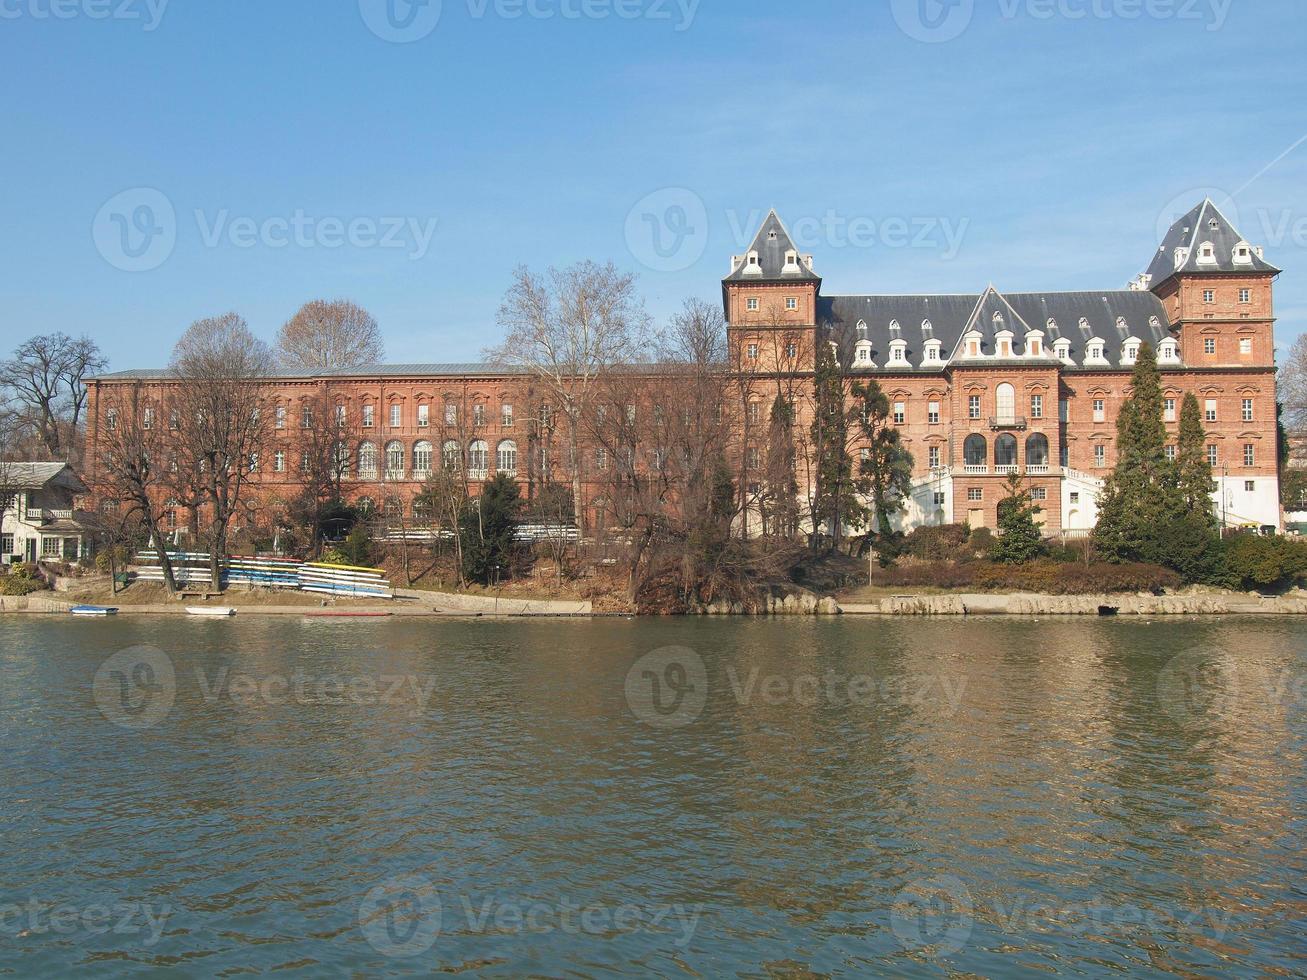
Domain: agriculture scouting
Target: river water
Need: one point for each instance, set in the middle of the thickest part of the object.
(679, 798)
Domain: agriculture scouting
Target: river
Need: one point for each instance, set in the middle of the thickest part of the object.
(739, 797)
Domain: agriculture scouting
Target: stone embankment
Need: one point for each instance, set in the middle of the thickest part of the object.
(1027, 604)
(804, 604)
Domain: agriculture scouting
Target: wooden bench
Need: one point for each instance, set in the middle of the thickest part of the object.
(199, 595)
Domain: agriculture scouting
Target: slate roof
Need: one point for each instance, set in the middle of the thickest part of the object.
(34, 476)
(771, 243)
(1203, 224)
(951, 316)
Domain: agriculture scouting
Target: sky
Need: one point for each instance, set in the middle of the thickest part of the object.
(166, 160)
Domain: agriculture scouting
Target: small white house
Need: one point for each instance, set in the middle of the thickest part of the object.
(39, 520)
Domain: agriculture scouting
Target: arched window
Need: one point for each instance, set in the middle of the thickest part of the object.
(478, 458)
(1005, 398)
(451, 456)
(422, 456)
(1005, 450)
(1037, 449)
(341, 458)
(366, 507)
(393, 509)
(368, 459)
(506, 457)
(975, 450)
(394, 460)
(422, 509)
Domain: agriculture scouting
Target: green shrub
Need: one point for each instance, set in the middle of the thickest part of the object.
(21, 580)
(1254, 562)
(1048, 577)
(936, 543)
(981, 542)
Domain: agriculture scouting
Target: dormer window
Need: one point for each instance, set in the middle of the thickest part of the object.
(791, 261)
(933, 351)
(1181, 257)
(771, 235)
(1094, 352)
(751, 266)
(1034, 344)
(973, 343)
(1243, 254)
(927, 329)
(1207, 252)
(1121, 324)
(1155, 323)
(862, 353)
(1214, 224)
(898, 351)
(1168, 352)
(1130, 351)
(1003, 341)
(1062, 350)
(894, 328)
(862, 329)
(1051, 324)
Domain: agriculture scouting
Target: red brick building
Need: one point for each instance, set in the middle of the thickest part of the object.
(980, 385)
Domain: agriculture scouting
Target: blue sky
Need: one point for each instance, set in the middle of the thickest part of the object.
(1035, 144)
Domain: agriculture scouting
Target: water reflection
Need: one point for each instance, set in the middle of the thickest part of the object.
(853, 796)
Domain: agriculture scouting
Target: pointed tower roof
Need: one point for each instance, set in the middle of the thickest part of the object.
(1205, 224)
(772, 243)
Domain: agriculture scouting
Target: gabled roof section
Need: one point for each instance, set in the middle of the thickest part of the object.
(992, 314)
(1205, 224)
(772, 243)
(34, 476)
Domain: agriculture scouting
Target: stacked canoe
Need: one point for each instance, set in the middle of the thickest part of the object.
(346, 580)
(270, 573)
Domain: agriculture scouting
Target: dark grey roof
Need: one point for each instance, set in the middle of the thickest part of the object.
(771, 243)
(1205, 224)
(1058, 315)
(427, 370)
(34, 476)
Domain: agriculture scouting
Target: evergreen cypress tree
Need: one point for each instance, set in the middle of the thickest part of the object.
(1194, 470)
(886, 470)
(1020, 538)
(834, 504)
(1141, 499)
(488, 530)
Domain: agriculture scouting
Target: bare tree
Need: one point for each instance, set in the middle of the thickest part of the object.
(569, 328)
(328, 335)
(222, 371)
(326, 450)
(1292, 391)
(131, 465)
(45, 376)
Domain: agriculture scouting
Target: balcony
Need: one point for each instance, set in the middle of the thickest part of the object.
(1007, 469)
(1037, 469)
(1017, 422)
(975, 469)
(395, 475)
(50, 516)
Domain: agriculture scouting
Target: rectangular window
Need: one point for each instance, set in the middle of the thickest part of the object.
(6, 544)
(1038, 493)
(424, 416)
(754, 458)
(630, 415)
(791, 350)
(933, 453)
(973, 407)
(369, 416)
(932, 413)
(752, 304)
(1036, 406)
(939, 498)
(306, 417)
(1209, 411)
(1209, 345)
(791, 303)
(279, 461)
(1245, 296)
(396, 416)
(900, 413)
(175, 421)
(1212, 456)
(340, 416)
(1169, 452)
(1209, 296)
(111, 419)
(1100, 410)
(148, 420)
(1245, 345)
(1075, 497)
(975, 493)
(279, 418)
(478, 414)
(50, 547)
(1100, 455)
(754, 411)
(1249, 454)
(752, 352)
(1064, 410)
(451, 413)
(601, 459)
(506, 416)
(1168, 409)
(1250, 486)
(1247, 409)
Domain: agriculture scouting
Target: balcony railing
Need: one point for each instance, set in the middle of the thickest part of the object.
(975, 469)
(395, 474)
(1008, 422)
(47, 515)
(1037, 469)
(1003, 469)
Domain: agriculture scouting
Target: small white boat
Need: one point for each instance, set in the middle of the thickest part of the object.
(94, 610)
(219, 612)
